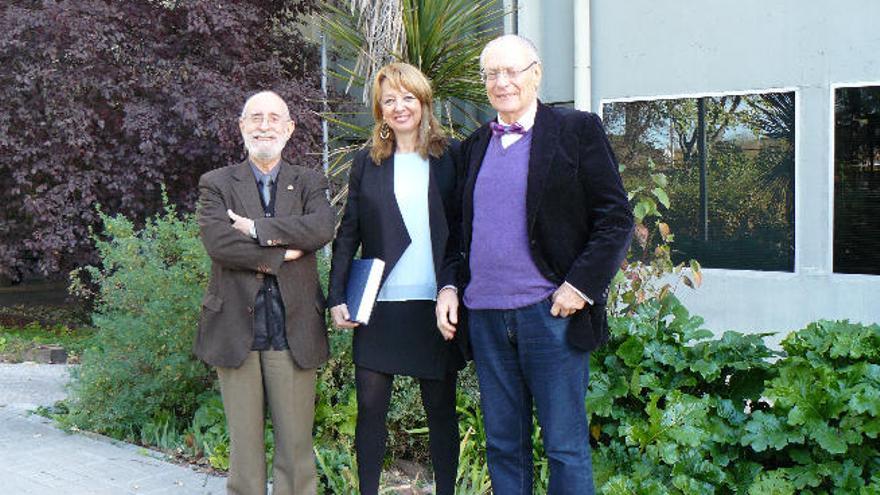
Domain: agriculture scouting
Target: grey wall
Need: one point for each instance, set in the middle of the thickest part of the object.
(649, 48)
(645, 47)
(549, 24)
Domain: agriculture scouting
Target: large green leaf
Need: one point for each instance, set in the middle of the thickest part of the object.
(631, 351)
(765, 431)
(772, 483)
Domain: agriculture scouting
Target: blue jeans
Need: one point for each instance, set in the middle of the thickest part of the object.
(522, 358)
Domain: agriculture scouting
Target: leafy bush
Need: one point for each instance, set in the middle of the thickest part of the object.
(473, 473)
(337, 469)
(138, 367)
(336, 408)
(820, 434)
(672, 409)
(674, 412)
(648, 272)
(207, 435)
(668, 404)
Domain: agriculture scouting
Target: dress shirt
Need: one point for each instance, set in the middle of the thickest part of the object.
(269, 314)
(258, 176)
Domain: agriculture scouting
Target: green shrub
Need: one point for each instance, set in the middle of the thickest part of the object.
(163, 432)
(672, 410)
(207, 435)
(337, 469)
(473, 473)
(138, 368)
(820, 432)
(667, 404)
(675, 412)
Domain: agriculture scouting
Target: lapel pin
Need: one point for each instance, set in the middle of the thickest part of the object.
(290, 187)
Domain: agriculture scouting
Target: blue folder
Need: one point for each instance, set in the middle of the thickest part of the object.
(364, 277)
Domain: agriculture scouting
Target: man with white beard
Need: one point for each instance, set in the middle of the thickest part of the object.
(262, 322)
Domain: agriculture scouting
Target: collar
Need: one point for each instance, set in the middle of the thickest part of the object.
(258, 174)
(527, 121)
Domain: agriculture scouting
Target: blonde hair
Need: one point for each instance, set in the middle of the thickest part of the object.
(432, 140)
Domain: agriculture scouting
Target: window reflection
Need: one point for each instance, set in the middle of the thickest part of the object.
(732, 200)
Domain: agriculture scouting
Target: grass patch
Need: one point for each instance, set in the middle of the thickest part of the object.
(25, 327)
(18, 343)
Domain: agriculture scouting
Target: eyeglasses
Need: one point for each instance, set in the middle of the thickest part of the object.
(508, 73)
(274, 120)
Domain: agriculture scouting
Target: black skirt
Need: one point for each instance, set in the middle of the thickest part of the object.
(402, 339)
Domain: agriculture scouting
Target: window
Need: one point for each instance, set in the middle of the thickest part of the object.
(731, 198)
(857, 180)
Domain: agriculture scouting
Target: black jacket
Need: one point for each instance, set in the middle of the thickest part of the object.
(372, 220)
(578, 216)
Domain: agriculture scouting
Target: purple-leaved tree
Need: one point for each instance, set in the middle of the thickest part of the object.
(105, 100)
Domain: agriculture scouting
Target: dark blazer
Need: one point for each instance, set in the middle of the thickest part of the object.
(303, 220)
(578, 216)
(372, 220)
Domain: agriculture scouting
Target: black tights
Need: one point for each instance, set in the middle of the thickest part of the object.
(373, 398)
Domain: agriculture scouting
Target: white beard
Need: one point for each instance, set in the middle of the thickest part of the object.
(264, 150)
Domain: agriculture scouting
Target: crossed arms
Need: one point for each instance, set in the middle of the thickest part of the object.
(282, 238)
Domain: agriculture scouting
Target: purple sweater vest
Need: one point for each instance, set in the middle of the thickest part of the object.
(503, 274)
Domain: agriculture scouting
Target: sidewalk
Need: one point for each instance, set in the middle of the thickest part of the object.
(36, 458)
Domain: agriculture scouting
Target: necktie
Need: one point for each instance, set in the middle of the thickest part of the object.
(266, 189)
(500, 129)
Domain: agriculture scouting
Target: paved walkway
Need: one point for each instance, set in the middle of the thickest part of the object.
(36, 458)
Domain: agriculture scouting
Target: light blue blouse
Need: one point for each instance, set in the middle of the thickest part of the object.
(413, 276)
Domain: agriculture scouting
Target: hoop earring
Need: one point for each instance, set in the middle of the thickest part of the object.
(384, 131)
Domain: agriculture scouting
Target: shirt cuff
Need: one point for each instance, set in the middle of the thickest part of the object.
(254, 230)
(454, 288)
(576, 291)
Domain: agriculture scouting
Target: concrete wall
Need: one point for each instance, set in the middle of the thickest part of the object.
(643, 49)
(550, 26)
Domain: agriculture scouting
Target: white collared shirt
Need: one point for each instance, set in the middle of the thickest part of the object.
(527, 121)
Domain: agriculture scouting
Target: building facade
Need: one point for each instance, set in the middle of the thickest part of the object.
(783, 202)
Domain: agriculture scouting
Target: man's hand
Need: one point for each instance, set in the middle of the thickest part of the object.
(240, 223)
(292, 254)
(340, 316)
(566, 301)
(447, 312)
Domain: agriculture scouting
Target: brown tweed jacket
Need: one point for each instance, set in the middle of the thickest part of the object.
(303, 220)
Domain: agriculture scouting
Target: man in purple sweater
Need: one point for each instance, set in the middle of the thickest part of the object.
(545, 226)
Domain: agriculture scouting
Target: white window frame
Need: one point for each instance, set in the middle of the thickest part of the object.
(756, 274)
(832, 121)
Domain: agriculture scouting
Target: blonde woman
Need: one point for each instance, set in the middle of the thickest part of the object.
(401, 209)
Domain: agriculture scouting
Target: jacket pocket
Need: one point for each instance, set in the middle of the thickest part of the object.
(212, 302)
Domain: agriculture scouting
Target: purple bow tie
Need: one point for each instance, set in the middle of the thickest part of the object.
(500, 129)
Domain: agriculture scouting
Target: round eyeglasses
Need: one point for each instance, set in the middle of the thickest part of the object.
(508, 72)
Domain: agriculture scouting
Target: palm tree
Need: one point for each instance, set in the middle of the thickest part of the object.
(442, 38)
